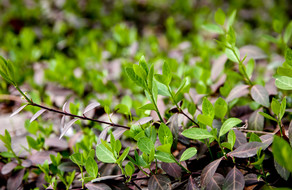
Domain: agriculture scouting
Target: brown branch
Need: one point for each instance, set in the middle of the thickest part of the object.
(77, 116)
(188, 117)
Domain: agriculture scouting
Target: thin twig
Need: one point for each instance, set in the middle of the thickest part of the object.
(78, 116)
(136, 185)
(189, 118)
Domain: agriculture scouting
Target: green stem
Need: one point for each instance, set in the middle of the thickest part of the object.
(82, 177)
(179, 164)
(156, 108)
(208, 145)
(243, 70)
(15, 156)
(280, 126)
(20, 91)
(221, 147)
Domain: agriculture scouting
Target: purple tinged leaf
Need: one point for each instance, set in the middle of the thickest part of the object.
(283, 172)
(260, 95)
(68, 166)
(55, 142)
(109, 177)
(237, 92)
(250, 179)
(62, 122)
(240, 138)
(65, 107)
(247, 150)
(102, 135)
(172, 169)
(159, 182)
(67, 126)
(234, 180)
(267, 140)
(7, 168)
(119, 132)
(143, 121)
(91, 107)
(18, 110)
(37, 114)
(26, 163)
(15, 180)
(218, 66)
(97, 186)
(216, 182)
(209, 171)
(41, 157)
(290, 132)
(192, 184)
(256, 121)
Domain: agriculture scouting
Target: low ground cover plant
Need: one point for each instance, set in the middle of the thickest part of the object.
(171, 121)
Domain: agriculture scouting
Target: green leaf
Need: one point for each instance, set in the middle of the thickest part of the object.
(207, 108)
(129, 169)
(231, 138)
(284, 83)
(220, 17)
(77, 159)
(227, 145)
(91, 167)
(7, 154)
(288, 56)
(149, 106)
(166, 72)
(231, 20)
(143, 64)
(282, 108)
(288, 33)
(249, 67)
(164, 148)
(275, 105)
(164, 157)
(282, 152)
(228, 124)
(136, 79)
(231, 56)
(197, 133)
(267, 116)
(254, 138)
(124, 155)
(205, 119)
(284, 71)
(139, 71)
(162, 79)
(145, 145)
(150, 78)
(213, 28)
(104, 155)
(162, 89)
(220, 108)
(164, 134)
(188, 153)
(32, 143)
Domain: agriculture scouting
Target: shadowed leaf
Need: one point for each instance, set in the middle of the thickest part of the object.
(171, 169)
(283, 172)
(240, 138)
(209, 171)
(250, 179)
(97, 186)
(247, 150)
(260, 95)
(237, 92)
(256, 121)
(267, 140)
(234, 180)
(216, 182)
(159, 182)
(15, 180)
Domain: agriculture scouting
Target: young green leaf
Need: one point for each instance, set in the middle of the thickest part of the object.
(282, 152)
(231, 138)
(129, 169)
(284, 83)
(104, 155)
(207, 108)
(197, 133)
(220, 17)
(143, 64)
(145, 145)
(77, 158)
(288, 33)
(231, 20)
(91, 167)
(228, 124)
(282, 108)
(267, 116)
(124, 155)
(164, 134)
(275, 105)
(164, 157)
(205, 119)
(220, 108)
(139, 71)
(188, 153)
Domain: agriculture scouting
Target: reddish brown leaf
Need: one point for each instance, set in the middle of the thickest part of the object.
(192, 184)
(55, 142)
(240, 138)
(102, 135)
(15, 180)
(171, 169)
(247, 150)
(143, 121)
(267, 140)
(159, 182)
(209, 171)
(218, 66)
(67, 126)
(256, 121)
(91, 107)
(234, 180)
(97, 186)
(216, 182)
(251, 179)
(260, 95)
(7, 168)
(41, 157)
(118, 133)
(237, 92)
(26, 163)
(221, 81)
